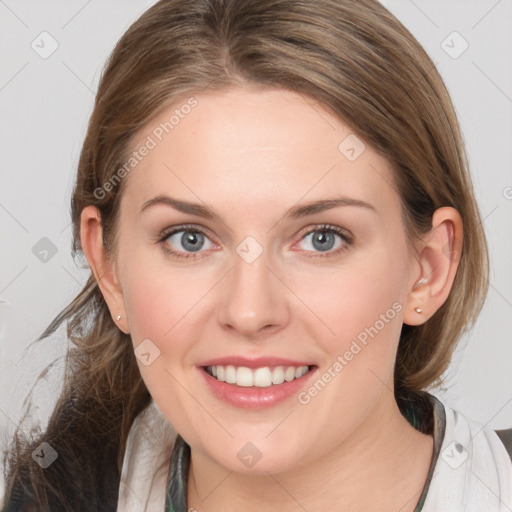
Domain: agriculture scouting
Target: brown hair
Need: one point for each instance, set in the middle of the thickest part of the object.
(355, 58)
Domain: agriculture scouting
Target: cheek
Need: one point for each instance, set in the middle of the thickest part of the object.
(360, 319)
(162, 309)
(349, 300)
(147, 307)
(167, 306)
(155, 297)
(157, 304)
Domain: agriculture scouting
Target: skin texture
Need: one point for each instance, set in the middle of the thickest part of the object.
(251, 155)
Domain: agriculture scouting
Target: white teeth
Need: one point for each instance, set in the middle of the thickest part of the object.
(263, 377)
(244, 377)
(278, 375)
(289, 374)
(260, 377)
(230, 374)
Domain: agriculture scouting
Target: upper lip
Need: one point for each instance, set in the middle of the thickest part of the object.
(257, 362)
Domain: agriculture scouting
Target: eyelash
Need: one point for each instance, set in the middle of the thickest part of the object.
(324, 228)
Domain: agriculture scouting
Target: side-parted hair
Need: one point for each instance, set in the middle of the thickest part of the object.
(363, 65)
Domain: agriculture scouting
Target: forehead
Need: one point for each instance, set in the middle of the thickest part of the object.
(257, 147)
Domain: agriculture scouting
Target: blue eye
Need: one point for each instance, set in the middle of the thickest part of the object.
(191, 238)
(322, 241)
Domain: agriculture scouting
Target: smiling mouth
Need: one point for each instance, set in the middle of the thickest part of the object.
(263, 377)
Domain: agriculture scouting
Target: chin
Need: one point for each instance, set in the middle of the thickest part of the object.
(257, 458)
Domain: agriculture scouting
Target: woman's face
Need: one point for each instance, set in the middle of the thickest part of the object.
(259, 278)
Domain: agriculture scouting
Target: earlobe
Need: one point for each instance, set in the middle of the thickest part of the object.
(438, 258)
(102, 264)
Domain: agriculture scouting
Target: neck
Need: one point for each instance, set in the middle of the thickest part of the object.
(385, 455)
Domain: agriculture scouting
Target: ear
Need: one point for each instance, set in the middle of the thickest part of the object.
(102, 264)
(438, 258)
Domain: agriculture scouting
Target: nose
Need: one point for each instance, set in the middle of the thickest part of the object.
(255, 300)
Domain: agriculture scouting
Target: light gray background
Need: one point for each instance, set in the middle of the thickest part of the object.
(46, 104)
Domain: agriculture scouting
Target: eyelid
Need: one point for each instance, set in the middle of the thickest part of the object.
(168, 231)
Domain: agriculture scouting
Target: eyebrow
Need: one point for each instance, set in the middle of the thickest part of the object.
(295, 212)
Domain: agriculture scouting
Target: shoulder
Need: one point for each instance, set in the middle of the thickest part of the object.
(473, 465)
(480, 439)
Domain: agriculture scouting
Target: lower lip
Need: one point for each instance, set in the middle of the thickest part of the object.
(255, 397)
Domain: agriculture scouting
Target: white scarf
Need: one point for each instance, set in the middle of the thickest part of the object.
(473, 472)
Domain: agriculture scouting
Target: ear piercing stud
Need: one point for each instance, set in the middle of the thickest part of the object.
(119, 317)
(418, 310)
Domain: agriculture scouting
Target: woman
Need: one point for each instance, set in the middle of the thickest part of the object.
(308, 152)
